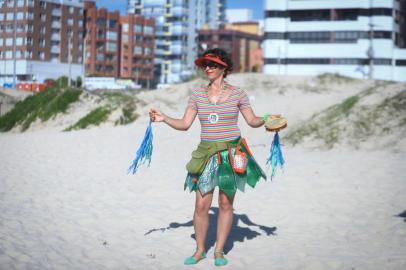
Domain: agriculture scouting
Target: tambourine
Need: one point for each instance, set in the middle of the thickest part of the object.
(275, 123)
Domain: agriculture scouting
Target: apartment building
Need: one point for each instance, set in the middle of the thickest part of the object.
(119, 46)
(137, 49)
(362, 39)
(102, 41)
(177, 22)
(40, 39)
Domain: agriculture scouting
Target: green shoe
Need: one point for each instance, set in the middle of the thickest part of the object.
(192, 260)
(219, 259)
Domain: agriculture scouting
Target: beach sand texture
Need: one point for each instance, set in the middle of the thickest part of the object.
(67, 202)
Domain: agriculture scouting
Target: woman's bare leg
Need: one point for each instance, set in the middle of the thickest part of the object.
(201, 219)
(224, 221)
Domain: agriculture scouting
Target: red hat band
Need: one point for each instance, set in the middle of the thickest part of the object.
(209, 57)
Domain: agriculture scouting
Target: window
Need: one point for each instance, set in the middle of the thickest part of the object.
(401, 62)
(111, 46)
(100, 33)
(9, 16)
(112, 35)
(9, 42)
(137, 28)
(41, 42)
(20, 28)
(148, 30)
(19, 41)
(137, 38)
(54, 57)
(20, 15)
(70, 21)
(100, 57)
(112, 23)
(101, 22)
(125, 27)
(9, 54)
(30, 15)
(42, 4)
(137, 50)
(124, 38)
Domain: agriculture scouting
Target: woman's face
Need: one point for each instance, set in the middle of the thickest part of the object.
(212, 70)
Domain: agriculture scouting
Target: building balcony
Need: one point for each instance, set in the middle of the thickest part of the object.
(179, 11)
(56, 25)
(56, 12)
(159, 42)
(178, 30)
(55, 37)
(159, 51)
(176, 50)
(55, 49)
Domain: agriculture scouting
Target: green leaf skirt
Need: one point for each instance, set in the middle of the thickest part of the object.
(223, 176)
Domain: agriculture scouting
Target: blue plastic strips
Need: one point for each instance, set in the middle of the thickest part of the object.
(144, 153)
(276, 157)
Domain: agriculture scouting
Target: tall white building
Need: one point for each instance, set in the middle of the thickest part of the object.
(363, 38)
(177, 22)
(238, 15)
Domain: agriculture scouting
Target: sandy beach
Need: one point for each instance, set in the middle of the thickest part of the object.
(67, 202)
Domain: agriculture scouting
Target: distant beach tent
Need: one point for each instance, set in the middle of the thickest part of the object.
(110, 83)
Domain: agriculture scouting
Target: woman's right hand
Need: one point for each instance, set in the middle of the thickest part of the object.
(156, 116)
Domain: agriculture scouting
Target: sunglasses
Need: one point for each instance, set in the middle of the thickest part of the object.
(210, 65)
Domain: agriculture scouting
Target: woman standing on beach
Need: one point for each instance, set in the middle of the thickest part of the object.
(222, 158)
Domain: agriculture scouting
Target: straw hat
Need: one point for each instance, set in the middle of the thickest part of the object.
(275, 123)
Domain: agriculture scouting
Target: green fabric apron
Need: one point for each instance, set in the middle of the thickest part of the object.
(205, 167)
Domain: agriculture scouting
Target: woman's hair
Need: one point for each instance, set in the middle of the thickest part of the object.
(224, 56)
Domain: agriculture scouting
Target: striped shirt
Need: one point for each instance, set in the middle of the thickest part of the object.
(226, 127)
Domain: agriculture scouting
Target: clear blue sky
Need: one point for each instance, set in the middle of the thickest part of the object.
(257, 6)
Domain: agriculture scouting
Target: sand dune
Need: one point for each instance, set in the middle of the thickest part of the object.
(67, 202)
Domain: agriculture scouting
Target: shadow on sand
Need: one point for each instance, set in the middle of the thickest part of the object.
(237, 234)
(402, 215)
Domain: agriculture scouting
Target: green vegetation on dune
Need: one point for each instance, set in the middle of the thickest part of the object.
(94, 118)
(124, 101)
(44, 106)
(128, 115)
(352, 121)
(326, 78)
(327, 118)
